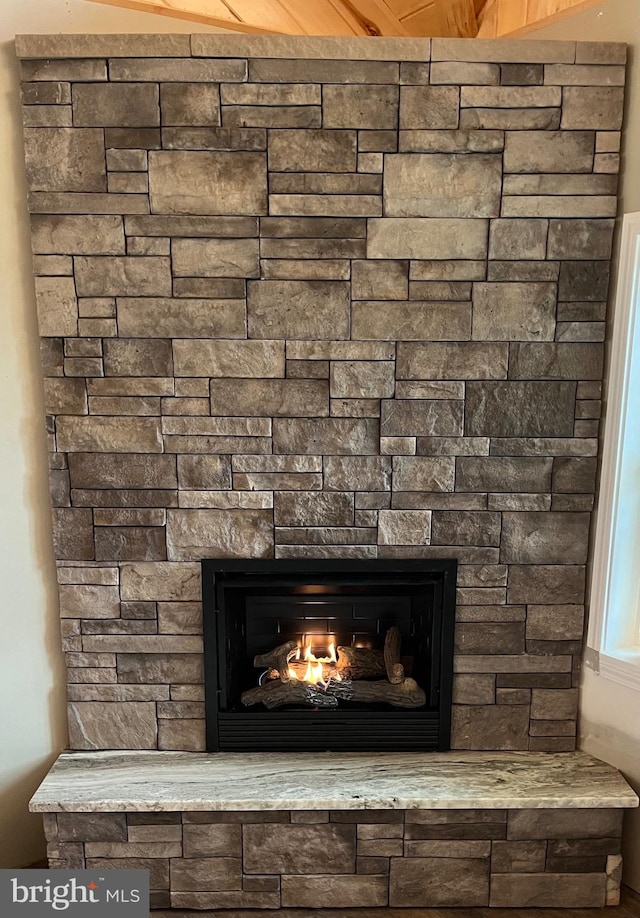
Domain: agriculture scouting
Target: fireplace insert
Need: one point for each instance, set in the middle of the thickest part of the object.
(328, 655)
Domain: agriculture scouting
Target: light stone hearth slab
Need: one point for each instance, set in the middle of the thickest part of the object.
(177, 781)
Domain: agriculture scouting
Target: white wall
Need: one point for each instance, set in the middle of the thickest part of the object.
(32, 696)
(610, 713)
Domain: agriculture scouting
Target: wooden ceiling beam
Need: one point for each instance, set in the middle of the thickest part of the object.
(501, 18)
(192, 11)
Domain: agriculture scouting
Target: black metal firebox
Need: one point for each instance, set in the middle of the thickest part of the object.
(362, 608)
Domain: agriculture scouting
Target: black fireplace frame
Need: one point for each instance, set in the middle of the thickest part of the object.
(417, 730)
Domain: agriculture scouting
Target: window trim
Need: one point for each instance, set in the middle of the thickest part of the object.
(607, 653)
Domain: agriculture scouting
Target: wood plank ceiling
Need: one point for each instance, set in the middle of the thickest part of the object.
(456, 18)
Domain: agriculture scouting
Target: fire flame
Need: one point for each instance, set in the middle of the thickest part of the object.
(320, 670)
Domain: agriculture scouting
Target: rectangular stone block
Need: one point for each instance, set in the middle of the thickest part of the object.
(512, 312)
(511, 239)
(221, 358)
(160, 668)
(65, 159)
(313, 509)
(206, 873)
(362, 891)
(443, 141)
(270, 397)
(212, 841)
(555, 622)
(551, 151)
(548, 890)
(160, 581)
(505, 409)
(461, 527)
(421, 417)
(439, 882)
(78, 235)
(594, 108)
(357, 473)
(418, 473)
(453, 360)
(113, 725)
(195, 534)
(425, 238)
(364, 379)
(503, 474)
(110, 105)
(388, 320)
(152, 317)
(583, 361)
(298, 309)
(545, 538)
(490, 727)
(312, 151)
(299, 849)
(57, 306)
(442, 185)
(189, 103)
(121, 276)
(198, 182)
(510, 119)
(108, 435)
(580, 238)
(404, 527)
(360, 106)
(429, 107)
(215, 258)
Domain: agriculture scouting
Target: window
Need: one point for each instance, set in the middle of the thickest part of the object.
(614, 627)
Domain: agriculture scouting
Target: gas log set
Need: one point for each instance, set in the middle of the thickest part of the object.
(294, 675)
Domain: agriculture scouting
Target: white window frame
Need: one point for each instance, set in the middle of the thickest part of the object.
(613, 638)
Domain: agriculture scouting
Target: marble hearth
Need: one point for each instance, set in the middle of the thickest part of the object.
(355, 830)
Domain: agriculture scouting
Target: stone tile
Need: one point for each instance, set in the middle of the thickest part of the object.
(550, 890)
(115, 105)
(518, 856)
(324, 205)
(404, 527)
(511, 312)
(54, 202)
(511, 239)
(357, 473)
(467, 74)
(121, 276)
(558, 206)
(574, 475)
(212, 841)
(189, 104)
(78, 235)
(455, 360)
(467, 689)
(545, 538)
(133, 470)
(461, 527)
(510, 119)
(521, 74)
(596, 108)
(298, 309)
(421, 473)
(429, 107)
(130, 357)
(386, 280)
(310, 508)
(153, 317)
(490, 727)
(65, 159)
(512, 409)
(439, 882)
(417, 417)
(270, 397)
(204, 472)
(243, 359)
(427, 238)
(57, 306)
(503, 474)
(510, 97)
(555, 622)
(160, 581)
(160, 668)
(442, 185)
(443, 141)
(72, 534)
(131, 725)
(360, 106)
(388, 320)
(447, 270)
(546, 584)
(131, 543)
(363, 891)
(215, 258)
(65, 396)
(312, 151)
(551, 151)
(580, 238)
(550, 704)
(108, 435)
(489, 637)
(195, 534)
(273, 848)
(206, 873)
(325, 535)
(583, 361)
(207, 182)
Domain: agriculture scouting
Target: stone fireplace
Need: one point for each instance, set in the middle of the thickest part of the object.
(315, 301)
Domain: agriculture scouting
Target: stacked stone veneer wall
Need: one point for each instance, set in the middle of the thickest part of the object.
(320, 298)
(421, 858)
